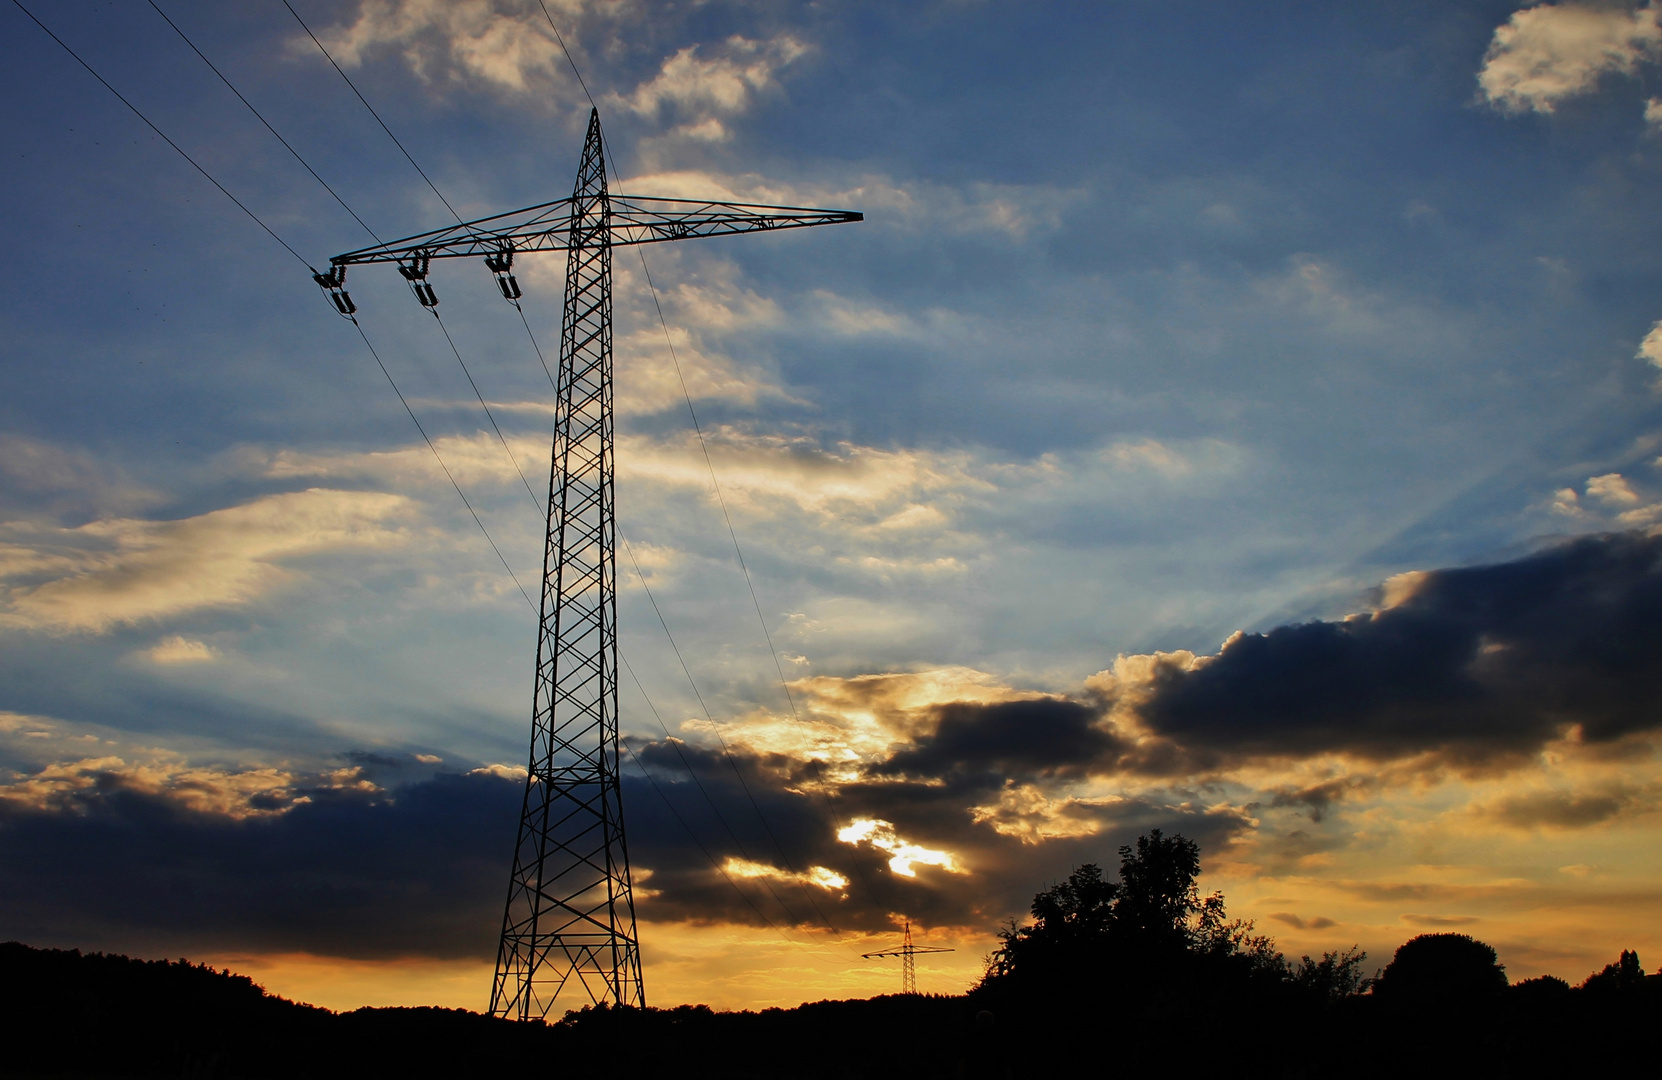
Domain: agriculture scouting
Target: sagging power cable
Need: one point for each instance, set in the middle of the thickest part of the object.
(298, 257)
(502, 439)
(448, 474)
(681, 755)
(541, 510)
(372, 112)
(147, 123)
(230, 86)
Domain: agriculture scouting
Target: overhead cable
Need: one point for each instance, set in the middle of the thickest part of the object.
(448, 475)
(147, 122)
(488, 414)
(372, 112)
(264, 121)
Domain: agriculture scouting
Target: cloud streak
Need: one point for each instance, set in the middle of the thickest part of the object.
(128, 570)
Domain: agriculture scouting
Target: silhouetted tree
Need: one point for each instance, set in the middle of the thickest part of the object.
(1153, 918)
(1440, 968)
(1158, 897)
(1625, 974)
(1336, 976)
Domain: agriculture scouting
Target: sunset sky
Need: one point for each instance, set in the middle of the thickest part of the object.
(1238, 419)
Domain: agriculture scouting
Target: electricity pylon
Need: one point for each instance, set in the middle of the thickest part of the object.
(570, 912)
(908, 966)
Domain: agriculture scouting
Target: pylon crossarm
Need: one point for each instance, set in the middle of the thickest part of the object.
(915, 950)
(632, 219)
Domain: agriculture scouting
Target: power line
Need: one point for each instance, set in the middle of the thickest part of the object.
(569, 60)
(488, 414)
(372, 112)
(263, 120)
(720, 869)
(725, 749)
(401, 400)
(135, 109)
(442, 465)
(291, 251)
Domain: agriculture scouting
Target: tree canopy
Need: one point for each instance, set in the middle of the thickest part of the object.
(1442, 967)
(1153, 918)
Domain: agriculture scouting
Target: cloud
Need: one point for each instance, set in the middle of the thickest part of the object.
(1440, 920)
(1028, 812)
(910, 205)
(945, 795)
(264, 860)
(500, 43)
(1043, 737)
(818, 876)
(1548, 53)
(128, 570)
(904, 856)
(167, 778)
(1612, 488)
(60, 482)
(1567, 809)
(1651, 347)
(1610, 500)
(706, 90)
(181, 650)
(1476, 664)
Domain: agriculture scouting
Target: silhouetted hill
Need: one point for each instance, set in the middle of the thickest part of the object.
(74, 1016)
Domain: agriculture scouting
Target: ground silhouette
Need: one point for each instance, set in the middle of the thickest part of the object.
(1138, 975)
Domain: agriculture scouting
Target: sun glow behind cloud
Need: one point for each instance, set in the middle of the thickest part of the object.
(818, 876)
(903, 855)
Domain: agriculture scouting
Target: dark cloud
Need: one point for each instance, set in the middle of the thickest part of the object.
(418, 871)
(421, 869)
(1563, 809)
(1478, 664)
(1316, 798)
(1045, 737)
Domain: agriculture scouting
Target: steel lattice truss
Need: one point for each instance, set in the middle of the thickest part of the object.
(908, 964)
(569, 923)
(571, 912)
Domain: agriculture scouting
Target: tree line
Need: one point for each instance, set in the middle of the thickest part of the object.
(1165, 976)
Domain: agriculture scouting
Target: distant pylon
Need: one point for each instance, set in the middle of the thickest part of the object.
(570, 912)
(906, 952)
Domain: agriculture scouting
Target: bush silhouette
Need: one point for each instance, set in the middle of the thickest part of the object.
(1442, 968)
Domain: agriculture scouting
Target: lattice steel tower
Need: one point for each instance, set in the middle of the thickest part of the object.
(908, 965)
(570, 912)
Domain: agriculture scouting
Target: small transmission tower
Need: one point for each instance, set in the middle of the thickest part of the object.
(569, 922)
(908, 966)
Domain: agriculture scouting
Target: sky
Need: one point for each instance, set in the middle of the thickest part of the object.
(1241, 420)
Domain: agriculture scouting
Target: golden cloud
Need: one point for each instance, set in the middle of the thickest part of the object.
(131, 570)
(903, 855)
